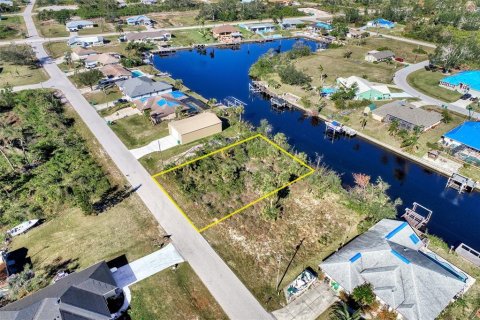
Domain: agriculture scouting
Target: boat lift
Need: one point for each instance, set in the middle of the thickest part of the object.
(414, 218)
(230, 102)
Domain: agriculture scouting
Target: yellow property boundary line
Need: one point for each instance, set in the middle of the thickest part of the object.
(293, 157)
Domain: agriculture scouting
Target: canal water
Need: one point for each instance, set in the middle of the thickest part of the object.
(218, 73)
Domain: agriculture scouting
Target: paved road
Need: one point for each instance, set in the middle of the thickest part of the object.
(401, 82)
(226, 288)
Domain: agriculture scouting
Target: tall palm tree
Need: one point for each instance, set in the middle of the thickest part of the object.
(340, 312)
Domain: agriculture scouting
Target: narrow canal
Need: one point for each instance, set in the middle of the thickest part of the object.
(218, 73)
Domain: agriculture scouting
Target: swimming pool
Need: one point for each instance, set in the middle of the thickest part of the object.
(137, 73)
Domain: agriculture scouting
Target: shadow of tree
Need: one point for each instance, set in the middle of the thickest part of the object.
(113, 197)
(69, 265)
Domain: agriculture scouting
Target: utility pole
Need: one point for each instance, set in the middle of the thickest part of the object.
(297, 247)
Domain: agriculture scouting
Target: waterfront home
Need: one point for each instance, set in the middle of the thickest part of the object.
(404, 274)
(76, 25)
(115, 72)
(464, 140)
(259, 27)
(226, 34)
(289, 24)
(463, 82)
(143, 87)
(407, 115)
(321, 26)
(195, 128)
(378, 56)
(79, 53)
(85, 42)
(381, 23)
(139, 21)
(365, 89)
(163, 107)
(147, 36)
(88, 294)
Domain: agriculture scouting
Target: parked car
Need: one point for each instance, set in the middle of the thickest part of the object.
(474, 99)
(466, 96)
(120, 101)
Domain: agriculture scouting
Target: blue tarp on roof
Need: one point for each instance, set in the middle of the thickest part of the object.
(324, 25)
(384, 22)
(467, 133)
(177, 94)
(470, 78)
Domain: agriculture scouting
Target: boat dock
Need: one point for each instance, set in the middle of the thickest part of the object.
(414, 216)
(469, 254)
(460, 183)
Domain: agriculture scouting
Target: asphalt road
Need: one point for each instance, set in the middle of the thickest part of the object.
(226, 288)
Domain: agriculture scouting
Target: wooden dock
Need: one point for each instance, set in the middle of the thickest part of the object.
(469, 254)
(460, 183)
(415, 218)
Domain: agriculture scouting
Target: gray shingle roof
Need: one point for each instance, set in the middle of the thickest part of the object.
(80, 294)
(409, 113)
(141, 86)
(403, 273)
(380, 55)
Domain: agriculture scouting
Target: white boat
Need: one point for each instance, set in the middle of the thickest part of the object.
(22, 227)
(349, 131)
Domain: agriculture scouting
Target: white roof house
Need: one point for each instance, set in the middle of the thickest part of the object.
(78, 24)
(139, 20)
(85, 41)
(366, 90)
(404, 274)
(7, 3)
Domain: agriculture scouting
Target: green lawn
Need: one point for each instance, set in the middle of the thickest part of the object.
(110, 95)
(189, 37)
(174, 19)
(12, 27)
(16, 75)
(137, 130)
(427, 83)
(56, 49)
(107, 27)
(177, 294)
(50, 29)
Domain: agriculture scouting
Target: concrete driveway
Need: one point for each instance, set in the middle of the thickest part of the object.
(156, 145)
(147, 266)
(462, 103)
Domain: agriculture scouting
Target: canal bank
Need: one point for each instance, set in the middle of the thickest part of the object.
(224, 73)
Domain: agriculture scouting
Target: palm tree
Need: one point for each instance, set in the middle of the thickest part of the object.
(320, 69)
(363, 122)
(393, 128)
(340, 312)
(119, 28)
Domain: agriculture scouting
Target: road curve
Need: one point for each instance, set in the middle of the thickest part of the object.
(235, 299)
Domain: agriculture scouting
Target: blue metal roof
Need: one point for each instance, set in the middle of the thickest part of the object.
(467, 133)
(396, 230)
(470, 78)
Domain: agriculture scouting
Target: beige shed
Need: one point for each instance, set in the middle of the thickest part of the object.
(194, 128)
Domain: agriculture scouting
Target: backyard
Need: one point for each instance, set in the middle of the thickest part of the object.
(192, 36)
(427, 83)
(100, 97)
(137, 130)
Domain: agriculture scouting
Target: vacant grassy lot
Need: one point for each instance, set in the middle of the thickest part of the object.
(173, 295)
(137, 130)
(102, 27)
(16, 75)
(245, 173)
(427, 83)
(56, 49)
(190, 37)
(50, 29)
(174, 19)
(110, 94)
(12, 27)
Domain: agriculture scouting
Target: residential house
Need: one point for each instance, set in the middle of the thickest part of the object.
(289, 24)
(139, 21)
(407, 115)
(149, 2)
(143, 87)
(355, 33)
(102, 59)
(6, 3)
(463, 82)
(378, 56)
(164, 106)
(79, 53)
(227, 34)
(320, 26)
(381, 23)
(115, 72)
(148, 36)
(404, 274)
(365, 89)
(195, 128)
(85, 42)
(76, 25)
(87, 294)
(465, 141)
(259, 27)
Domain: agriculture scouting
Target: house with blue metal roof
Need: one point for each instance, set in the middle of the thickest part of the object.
(464, 141)
(463, 82)
(381, 23)
(404, 274)
(76, 25)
